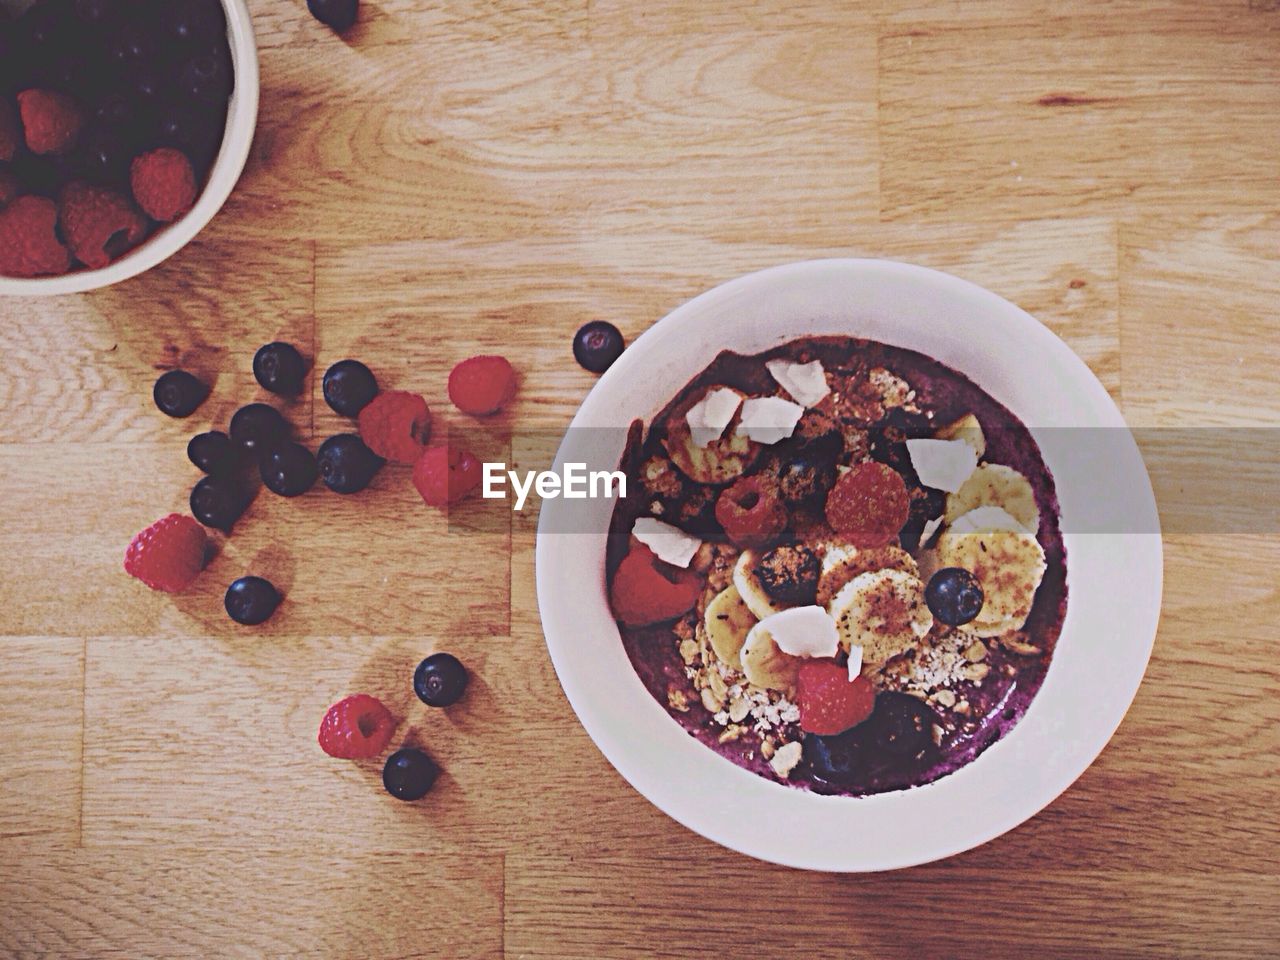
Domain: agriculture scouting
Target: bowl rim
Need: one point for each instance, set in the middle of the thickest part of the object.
(237, 140)
(719, 800)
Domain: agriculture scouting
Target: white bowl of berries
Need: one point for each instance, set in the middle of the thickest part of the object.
(886, 576)
(123, 129)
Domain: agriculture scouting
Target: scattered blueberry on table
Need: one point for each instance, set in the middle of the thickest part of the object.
(346, 465)
(409, 774)
(214, 453)
(259, 428)
(280, 368)
(338, 15)
(597, 345)
(251, 600)
(179, 394)
(289, 470)
(219, 501)
(348, 387)
(440, 680)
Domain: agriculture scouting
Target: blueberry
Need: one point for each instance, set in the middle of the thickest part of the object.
(178, 394)
(409, 774)
(839, 760)
(207, 77)
(806, 470)
(789, 574)
(901, 725)
(279, 367)
(259, 428)
(116, 112)
(149, 85)
(289, 470)
(346, 465)
(597, 345)
(954, 596)
(192, 22)
(197, 133)
(339, 15)
(349, 386)
(104, 158)
(251, 600)
(219, 501)
(214, 453)
(130, 49)
(77, 72)
(44, 176)
(96, 13)
(440, 680)
(47, 28)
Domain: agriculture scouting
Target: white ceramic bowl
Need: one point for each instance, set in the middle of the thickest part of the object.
(242, 118)
(1114, 579)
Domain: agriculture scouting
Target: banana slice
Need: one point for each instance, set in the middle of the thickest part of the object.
(765, 665)
(720, 461)
(1008, 564)
(883, 612)
(728, 622)
(995, 485)
(749, 588)
(841, 562)
(986, 519)
(968, 429)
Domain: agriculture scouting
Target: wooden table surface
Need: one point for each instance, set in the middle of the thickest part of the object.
(462, 177)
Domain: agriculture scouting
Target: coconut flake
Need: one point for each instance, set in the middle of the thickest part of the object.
(930, 528)
(709, 416)
(855, 662)
(806, 382)
(942, 464)
(669, 543)
(802, 631)
(769, 419)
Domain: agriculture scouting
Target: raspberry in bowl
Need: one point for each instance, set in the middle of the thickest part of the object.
(870, 764)
(123, 128)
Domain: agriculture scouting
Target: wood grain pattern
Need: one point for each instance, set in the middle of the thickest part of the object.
(1079, 116)
(485, 176)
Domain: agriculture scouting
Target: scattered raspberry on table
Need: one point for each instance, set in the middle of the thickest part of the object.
(482, 385)
(356, 727)
(169, 554)
(396, 426)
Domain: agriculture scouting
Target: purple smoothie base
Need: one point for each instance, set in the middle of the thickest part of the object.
(1001, 701)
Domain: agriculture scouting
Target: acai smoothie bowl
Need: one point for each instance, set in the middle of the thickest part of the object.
(862, 605)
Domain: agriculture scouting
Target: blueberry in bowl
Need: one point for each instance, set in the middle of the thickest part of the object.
(96, 80)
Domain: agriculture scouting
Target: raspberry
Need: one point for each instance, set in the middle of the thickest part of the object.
(99, 224)
(168, 554)
(750, 513)
(869, 504)
(10, 131)
(164, 183)
(356, 727)
(643, 592)
(396, 425)
(444, 474)
(50, 120)
(482, 385)
(9, 187)
(29, 246)
(829, 701)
